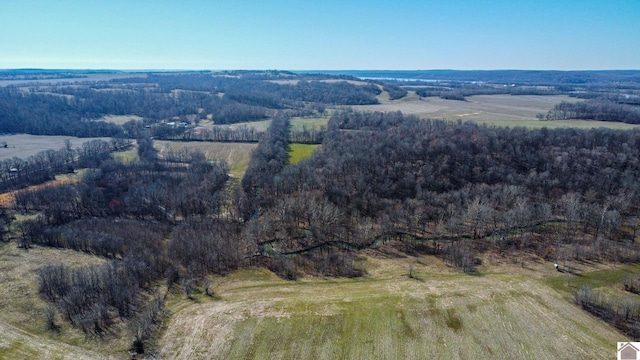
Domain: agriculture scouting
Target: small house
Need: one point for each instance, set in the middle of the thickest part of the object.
(628, 352)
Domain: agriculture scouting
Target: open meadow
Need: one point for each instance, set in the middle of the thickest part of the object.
(506, 312)
(235, 154)
(499, 110)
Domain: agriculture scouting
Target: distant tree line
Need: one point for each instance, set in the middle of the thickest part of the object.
(45, 114)
(221, 133)
(518, 77)
(594, 109)
(75, 110)
(459, 91)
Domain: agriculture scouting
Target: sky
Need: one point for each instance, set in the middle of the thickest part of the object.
(320, 35)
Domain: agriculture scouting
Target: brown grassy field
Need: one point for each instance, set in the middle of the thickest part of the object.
(23, 145)
(500, 110)
(22, 321)
(8, 197)
(235, 154)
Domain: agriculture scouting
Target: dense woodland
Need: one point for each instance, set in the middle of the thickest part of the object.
(455, 190)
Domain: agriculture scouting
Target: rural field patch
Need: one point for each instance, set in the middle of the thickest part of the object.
(120, 119)
(297, 123)
(23, 145)
(500, 110)
(235, 154)
(298, 152)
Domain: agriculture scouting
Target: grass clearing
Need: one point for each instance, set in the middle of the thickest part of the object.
(235, 154)
(120, 119)
(298, 152)
(298, 123)
(126, 156)
(506, 313)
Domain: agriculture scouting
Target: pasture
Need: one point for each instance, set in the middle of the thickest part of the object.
(499, 110)
(507, 312)
(23, 145)
(235, 154)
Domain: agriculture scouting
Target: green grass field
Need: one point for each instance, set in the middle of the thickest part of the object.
(298, 152)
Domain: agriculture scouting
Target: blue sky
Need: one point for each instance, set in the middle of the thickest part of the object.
(327, 34)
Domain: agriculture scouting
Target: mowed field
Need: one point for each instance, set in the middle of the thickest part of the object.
(500, 110)
(235, 154)
(507, 312)
(24, 145)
